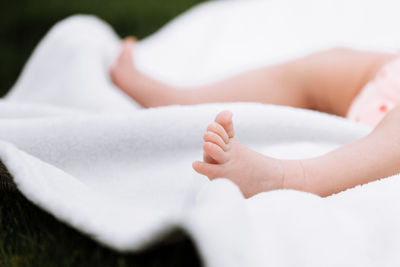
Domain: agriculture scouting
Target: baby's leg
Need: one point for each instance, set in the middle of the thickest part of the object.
(327, 81)
(272, 85)
(368, 159)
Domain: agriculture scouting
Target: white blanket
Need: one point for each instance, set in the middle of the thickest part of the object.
(87, 154)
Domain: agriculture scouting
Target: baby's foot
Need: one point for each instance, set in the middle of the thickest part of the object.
(140, 87)
(222, 121)
(122, 72)
(225, 157)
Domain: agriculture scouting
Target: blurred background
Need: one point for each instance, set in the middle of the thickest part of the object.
(29, 236)
(24, 22)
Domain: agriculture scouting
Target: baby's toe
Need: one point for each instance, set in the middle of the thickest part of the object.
(224, 118)
(207, 158)
(210, 170)
(216, 139)
(218, 129)
(126, 51)
(215, 152)
(129, 42)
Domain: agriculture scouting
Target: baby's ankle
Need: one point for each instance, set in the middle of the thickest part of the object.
(294, 175)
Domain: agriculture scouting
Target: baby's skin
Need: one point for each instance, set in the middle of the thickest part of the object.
(326, 81)
(253, 172)
(367, 159)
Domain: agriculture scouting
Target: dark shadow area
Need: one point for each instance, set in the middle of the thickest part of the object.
(31, 237)
(6, 181)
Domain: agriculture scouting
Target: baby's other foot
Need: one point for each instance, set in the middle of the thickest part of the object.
(225, 157)
(122, 72)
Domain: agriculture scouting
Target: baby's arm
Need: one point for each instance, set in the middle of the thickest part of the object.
(370, 158)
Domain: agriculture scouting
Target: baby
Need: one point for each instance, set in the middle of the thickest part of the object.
(362, 86)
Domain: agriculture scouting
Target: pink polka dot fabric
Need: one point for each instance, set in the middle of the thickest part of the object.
(378, 97)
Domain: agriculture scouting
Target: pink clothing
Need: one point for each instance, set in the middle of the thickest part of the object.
(378, 97)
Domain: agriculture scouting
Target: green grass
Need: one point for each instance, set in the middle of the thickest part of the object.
(28, 235)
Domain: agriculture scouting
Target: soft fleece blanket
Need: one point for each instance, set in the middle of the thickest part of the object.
(87, 154)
